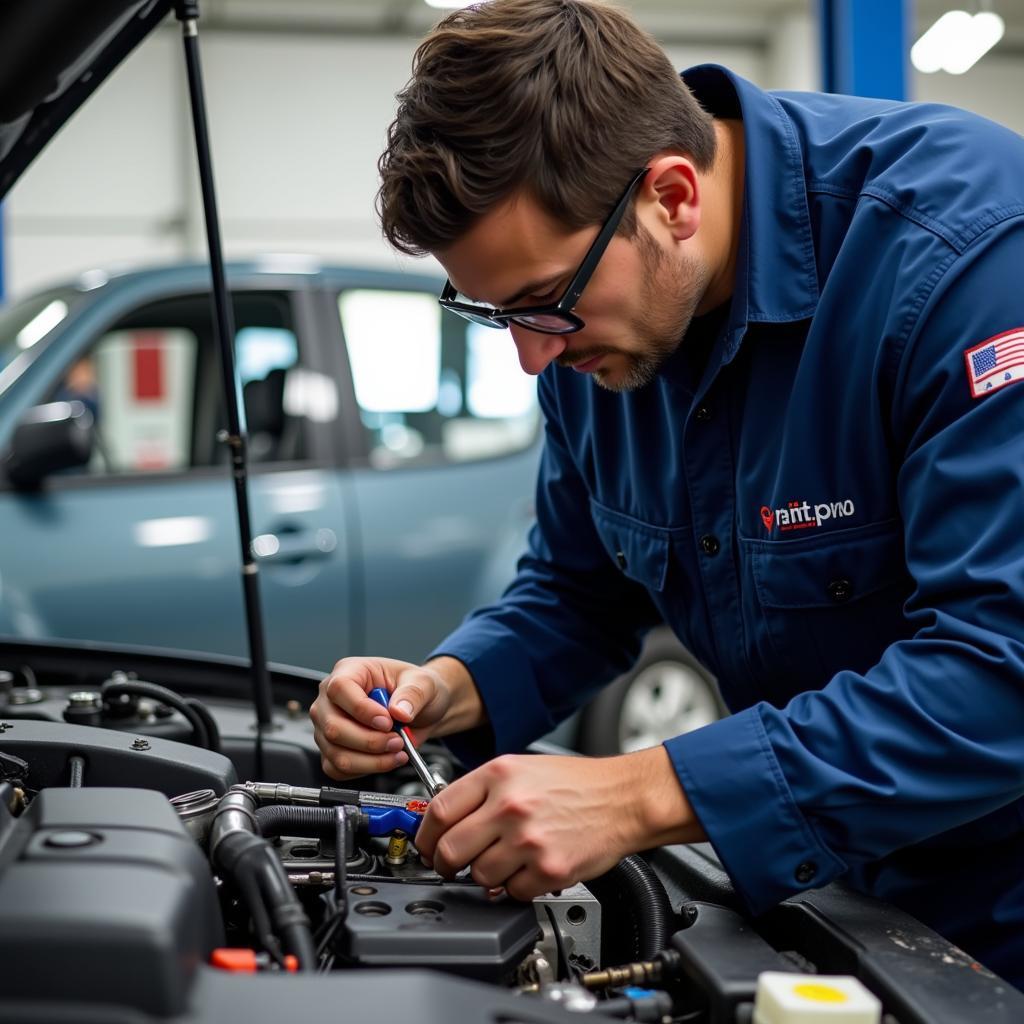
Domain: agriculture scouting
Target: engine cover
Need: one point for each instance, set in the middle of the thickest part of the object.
(455, 928)
(105, 898)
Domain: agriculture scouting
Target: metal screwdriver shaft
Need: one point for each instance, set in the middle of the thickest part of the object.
(433, 783)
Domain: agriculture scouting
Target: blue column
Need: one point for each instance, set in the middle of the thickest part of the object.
(865, 47)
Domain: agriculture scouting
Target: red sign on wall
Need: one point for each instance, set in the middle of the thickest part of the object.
(149, 367)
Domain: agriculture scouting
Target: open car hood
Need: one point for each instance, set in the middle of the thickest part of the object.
(53, 54)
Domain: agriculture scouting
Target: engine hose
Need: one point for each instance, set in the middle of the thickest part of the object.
(243, 853)
(238, 851)
(212, 732)
(137, 688)
(281, 819)
(654, 909)
(250, 890)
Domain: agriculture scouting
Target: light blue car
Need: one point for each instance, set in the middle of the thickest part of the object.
(392, 450)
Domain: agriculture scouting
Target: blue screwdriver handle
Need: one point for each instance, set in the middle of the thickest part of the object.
(381, 696)
(433, 783)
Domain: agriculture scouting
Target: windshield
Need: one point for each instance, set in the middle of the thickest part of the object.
(28, 322)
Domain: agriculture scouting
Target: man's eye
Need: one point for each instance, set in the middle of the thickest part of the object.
(548, 296)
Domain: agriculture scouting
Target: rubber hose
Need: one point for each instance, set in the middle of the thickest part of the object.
(134, 687)
(281, 819)
(287, 913)
(250, 891)
(241, 853)
(212, 732)
(654, 911)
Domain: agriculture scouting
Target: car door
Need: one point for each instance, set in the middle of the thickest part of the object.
(446, 440)
(141, 546)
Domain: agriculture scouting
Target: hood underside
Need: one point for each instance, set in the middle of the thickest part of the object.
(53, 54)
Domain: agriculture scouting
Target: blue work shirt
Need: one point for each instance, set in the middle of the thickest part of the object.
(828, 510)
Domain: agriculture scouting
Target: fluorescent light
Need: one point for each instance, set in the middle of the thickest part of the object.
(448, 5)
(956, 42)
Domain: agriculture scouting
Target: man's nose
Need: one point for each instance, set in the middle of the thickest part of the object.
(536, 350)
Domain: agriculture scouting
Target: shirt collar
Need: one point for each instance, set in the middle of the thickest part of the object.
(776, 273)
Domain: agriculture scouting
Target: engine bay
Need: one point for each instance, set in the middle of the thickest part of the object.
(147, 874)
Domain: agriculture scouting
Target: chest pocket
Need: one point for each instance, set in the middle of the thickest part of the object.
(833, 601)
(640, 551)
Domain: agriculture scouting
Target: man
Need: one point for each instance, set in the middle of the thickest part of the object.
(777, 339)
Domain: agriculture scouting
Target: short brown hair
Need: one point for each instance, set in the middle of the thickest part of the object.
(564, 99)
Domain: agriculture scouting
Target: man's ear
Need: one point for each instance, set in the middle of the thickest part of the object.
(673, 186)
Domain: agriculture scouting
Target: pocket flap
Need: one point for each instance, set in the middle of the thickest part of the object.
(828, 570)
(640, 551)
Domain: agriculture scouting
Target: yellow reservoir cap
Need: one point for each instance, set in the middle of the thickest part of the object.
(813, 999)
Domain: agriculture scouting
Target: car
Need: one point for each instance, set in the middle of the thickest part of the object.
(393, 453)
(166, 854)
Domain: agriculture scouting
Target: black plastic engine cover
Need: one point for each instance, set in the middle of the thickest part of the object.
(105, 899)
(454, 928)
(114, 758)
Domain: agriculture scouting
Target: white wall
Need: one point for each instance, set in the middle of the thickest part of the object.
(994, 88)
(298, 121)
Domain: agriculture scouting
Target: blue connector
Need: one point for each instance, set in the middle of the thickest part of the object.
(382, 821)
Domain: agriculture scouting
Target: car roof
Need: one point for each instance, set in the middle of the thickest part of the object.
(191, 274)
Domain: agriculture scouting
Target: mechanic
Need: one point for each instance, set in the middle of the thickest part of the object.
(777, 337)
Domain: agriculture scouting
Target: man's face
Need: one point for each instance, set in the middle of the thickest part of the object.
(636, 306)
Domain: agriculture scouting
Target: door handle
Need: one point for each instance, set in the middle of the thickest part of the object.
(290, 547)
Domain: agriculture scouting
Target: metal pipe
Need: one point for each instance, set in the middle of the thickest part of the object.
(187, 12)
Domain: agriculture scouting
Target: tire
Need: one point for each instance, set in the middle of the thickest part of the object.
(668, 692)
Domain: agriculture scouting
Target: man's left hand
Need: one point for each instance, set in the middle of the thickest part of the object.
(536, 823)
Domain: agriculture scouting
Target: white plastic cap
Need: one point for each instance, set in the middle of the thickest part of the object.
(813, 999)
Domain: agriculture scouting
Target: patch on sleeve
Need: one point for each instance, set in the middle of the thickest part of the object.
(995, 362)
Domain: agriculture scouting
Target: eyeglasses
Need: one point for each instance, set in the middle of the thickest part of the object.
(557, 317)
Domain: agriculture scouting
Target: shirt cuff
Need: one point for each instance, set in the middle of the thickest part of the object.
(505, 681)
(733, 781)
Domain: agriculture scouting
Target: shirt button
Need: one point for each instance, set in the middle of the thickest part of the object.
(620, 558)
(840, 590)
(709, 544)
(805, 872)
(703, 414)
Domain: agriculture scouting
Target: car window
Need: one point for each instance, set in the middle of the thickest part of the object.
(433, 388)
(28, 322)
(153, 384)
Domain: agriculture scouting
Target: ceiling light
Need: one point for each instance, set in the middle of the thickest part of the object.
(448, 5)
(956, 42)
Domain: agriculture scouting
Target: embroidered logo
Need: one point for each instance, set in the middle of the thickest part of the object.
(801, 515)
(996, 362)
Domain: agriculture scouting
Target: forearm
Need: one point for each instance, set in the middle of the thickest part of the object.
(661, 814)
(467, 710)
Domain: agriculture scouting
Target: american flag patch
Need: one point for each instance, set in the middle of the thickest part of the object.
(995, 362)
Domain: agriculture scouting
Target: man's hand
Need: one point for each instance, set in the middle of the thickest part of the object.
(532, 823)
(354, 733)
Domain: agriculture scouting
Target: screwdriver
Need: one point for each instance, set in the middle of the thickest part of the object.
(433, 782)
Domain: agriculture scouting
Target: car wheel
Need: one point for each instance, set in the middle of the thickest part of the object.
(666, 694)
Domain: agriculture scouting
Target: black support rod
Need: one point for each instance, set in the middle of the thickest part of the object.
(187, 12)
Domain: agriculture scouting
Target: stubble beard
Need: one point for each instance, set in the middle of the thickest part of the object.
(671, 296)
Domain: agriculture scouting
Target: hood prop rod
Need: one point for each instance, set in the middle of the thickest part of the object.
(187, 12)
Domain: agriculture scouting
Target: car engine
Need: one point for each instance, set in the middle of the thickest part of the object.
(146, 874)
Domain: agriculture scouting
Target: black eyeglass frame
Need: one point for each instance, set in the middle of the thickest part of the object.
(501, 318)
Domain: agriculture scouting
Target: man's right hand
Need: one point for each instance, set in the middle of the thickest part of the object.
(354, 733)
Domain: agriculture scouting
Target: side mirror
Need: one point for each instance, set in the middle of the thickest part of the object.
(49, 438)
